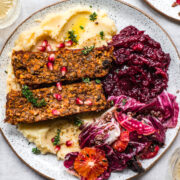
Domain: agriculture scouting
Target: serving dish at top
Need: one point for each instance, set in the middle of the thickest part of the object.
(123, 15)
(165, 8)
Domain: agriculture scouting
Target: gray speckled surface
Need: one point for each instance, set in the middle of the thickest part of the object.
(26, 152)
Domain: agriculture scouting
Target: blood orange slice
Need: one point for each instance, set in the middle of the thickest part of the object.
(121, 144)
(91, 163)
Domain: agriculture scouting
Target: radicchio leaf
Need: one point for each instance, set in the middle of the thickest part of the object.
(125, 103)
(168, 104)
(104, 131)
(159, 135)
(115, 163)
(165, 103)
(69, 160)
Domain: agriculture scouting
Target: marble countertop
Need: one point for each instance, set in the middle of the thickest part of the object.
(13, 168)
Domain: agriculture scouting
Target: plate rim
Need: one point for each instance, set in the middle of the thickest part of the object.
(161, 12)
(120, 1)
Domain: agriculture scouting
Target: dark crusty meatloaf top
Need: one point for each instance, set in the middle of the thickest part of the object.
(18, 109)
(31, 68)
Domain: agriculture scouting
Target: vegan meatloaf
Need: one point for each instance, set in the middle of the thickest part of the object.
(32, 68)
(76, 98)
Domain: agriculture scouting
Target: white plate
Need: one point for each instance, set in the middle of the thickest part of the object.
(123, 15)
(165, 8)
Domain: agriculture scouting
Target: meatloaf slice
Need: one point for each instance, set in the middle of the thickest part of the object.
(18, 109)
(31, 68)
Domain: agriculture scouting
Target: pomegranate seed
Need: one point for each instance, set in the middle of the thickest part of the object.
(69, 43)
(57, 96)
(61, 45)
(63, 70)
(55, 112)
(88, 102)
(50, 66)
(49, 48)
(44, 43)
(41, 48)
(57, 148)
(59, 85)
(79, 101)
(51, 57)
(69, 143)
(52, 140)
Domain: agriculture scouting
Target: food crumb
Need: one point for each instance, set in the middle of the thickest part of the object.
(177, 91)
(96, 23)
(37, 20)
(174, 4)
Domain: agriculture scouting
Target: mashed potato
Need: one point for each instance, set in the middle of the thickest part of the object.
(41, 134)
(55, 27)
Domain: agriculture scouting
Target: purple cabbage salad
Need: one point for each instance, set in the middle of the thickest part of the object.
(104, 131)
(146, 124)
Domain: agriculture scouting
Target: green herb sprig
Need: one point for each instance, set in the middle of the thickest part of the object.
(36, 151)
(112, 103)
(81, 27)
(101, 34)
(57, 138)
(86, 80)
(93, 16)
(87, 50)
(72, 36)
(98, 81)
(124, 102)
(30, 97)
(78, 122)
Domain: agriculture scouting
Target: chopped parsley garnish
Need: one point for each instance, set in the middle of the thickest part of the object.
(5, 71)
(87, 50)
(102, 34)
(57, 138)
(36, 151)
(117, 70)
(93, 16)
(81, 27)
(90, 6)
(112, 103)
(124, 102)
(72, 36)
(78, 122)
(29, 96)
(98, 81)
(86, 80)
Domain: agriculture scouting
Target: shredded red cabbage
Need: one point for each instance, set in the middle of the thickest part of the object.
(140, 68)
